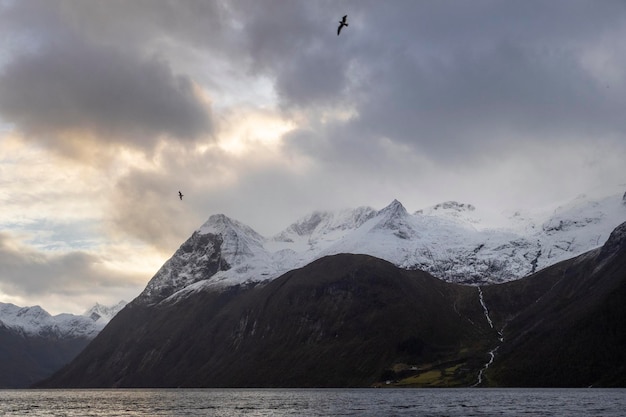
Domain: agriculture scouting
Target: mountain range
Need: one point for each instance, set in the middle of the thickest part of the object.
(379, 297)
(451, 240)
(34, 344)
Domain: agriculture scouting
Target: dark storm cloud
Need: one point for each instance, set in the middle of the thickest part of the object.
(500, 96)
(451, 79)
(113, 91)
(446, 77)
(131, 25)
(325, 78)
(27, 272)
(138, 23)
(295, 44)
(106, 92)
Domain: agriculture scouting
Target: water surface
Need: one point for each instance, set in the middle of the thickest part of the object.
(314, 402)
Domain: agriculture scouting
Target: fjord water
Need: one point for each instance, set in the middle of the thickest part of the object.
(314, 402)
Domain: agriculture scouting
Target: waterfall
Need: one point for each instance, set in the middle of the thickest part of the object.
(492, 352)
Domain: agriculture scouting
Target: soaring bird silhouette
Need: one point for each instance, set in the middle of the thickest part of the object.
(342, 23)
(180, 195)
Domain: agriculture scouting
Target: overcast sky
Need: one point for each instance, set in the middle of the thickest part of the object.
(258, 110)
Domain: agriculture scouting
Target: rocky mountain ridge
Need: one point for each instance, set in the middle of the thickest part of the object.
(35, 321)
(450, 240)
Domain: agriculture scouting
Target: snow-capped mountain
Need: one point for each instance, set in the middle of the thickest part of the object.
(335, 311)
(35, 321)
(34, 343)
(451, 240)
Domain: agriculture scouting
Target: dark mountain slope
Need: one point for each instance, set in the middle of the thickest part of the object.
(567, 326)
(343, 320)
(26, 359)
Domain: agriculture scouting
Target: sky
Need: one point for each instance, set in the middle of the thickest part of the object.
(258, 109)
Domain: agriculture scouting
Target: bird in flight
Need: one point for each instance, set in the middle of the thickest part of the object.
(180, 195)
(342, 23)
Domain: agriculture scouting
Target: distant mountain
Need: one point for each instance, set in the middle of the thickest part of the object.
(355, 320)
(34, 344)
(450, 240)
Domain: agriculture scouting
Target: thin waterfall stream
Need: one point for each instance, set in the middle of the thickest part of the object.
(492, 352)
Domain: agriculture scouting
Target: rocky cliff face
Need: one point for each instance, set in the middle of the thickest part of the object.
(199, 258)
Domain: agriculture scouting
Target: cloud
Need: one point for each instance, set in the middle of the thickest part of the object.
(37, 185)
(114, 96)
(482, 103)
(448, 79)
(294, 43)
(76, 275)
(145, 206)
(66, 89)
(451, 80)
(143, 25)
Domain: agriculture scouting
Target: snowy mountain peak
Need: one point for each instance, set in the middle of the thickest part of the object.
(35, 321)
(320, 223)
(454, 206)
(395, 209)
(447, 207)
(395, 219)
(306, 225)
(462, 213)
(26, 317)
(221, 224)
(220, 244)
(239, 241)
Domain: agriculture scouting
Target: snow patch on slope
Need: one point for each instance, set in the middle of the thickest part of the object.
(103, 314)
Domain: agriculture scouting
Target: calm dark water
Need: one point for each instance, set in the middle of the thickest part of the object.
(314, 402)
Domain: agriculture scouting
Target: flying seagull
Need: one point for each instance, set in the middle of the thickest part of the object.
(342, 23)
(180, 195)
